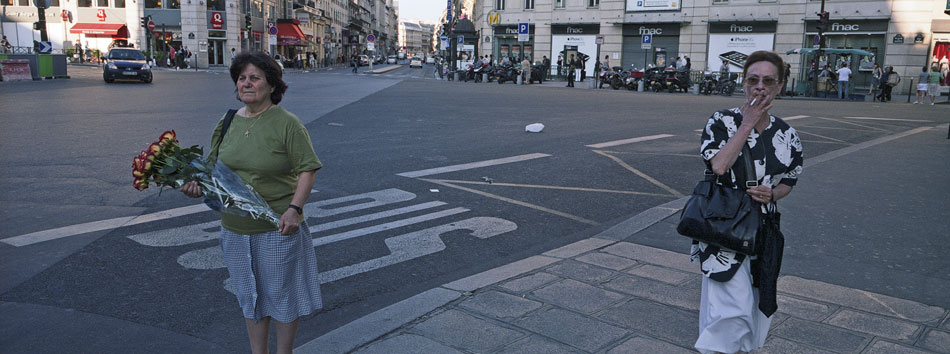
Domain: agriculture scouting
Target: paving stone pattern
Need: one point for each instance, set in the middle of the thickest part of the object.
(601, 296)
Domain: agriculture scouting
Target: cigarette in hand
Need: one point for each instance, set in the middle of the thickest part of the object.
(753, 101)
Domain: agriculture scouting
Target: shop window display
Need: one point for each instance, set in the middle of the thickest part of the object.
(941, 59)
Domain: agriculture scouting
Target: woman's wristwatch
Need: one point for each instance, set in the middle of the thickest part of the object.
(297, 208)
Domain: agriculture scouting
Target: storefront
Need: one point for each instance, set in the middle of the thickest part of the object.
(868, 35)
(506, 44)
(575, 39)
(940, 51)
(663, 49)
(732, 42)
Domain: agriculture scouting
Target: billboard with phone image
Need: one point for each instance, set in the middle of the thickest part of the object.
(734, 49)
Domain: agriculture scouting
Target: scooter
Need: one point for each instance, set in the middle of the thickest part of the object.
(728, 85)
(709, 85)
(506, 73)
(655, 79)
(677, 80)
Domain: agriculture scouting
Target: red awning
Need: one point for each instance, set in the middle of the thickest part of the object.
(289, 34)
(104, 29)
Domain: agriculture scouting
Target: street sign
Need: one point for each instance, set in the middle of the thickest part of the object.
(523, 35)
(151, 26)
(599, 39)
(272, 30)
(370, 46)
(370, 38)
(461, 40)
(646, 42)
(444, 38)
(46, 47)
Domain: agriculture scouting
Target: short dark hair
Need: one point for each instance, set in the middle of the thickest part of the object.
(765, 55)
(272, 72)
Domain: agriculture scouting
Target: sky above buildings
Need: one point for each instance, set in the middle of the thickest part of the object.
(426, 10)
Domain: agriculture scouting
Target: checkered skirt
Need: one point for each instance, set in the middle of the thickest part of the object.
(272, 274)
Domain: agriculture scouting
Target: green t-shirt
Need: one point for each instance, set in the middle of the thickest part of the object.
(269, 158)
(934, 78)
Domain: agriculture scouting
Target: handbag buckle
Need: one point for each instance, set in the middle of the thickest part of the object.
(750, 184)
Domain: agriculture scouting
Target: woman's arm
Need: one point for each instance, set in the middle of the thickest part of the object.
(290, 220)
(764, 194)
(751, 116)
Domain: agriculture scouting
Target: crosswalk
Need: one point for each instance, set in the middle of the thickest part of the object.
(334, 214)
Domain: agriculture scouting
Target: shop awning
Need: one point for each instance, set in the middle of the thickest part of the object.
(103, 29)
(829, 51)
(290, 34)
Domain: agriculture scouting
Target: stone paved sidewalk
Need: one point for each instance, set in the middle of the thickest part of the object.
(604, 296)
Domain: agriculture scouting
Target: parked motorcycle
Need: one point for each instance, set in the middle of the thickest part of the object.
(677, 80)
(537, 74)
(506, 73)
(633, 79)
(709, 85)
(655, 79)
(728, 85)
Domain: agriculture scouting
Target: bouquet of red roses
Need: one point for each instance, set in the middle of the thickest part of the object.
(166, 163)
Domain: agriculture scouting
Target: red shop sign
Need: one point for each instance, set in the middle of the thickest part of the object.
(101, 14)
(217, 20)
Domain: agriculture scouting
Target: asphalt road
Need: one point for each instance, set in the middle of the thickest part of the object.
(386, 225)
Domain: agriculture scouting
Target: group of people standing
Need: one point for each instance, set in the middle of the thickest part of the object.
(574, 67)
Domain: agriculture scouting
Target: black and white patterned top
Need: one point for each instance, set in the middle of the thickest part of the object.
(777, 157)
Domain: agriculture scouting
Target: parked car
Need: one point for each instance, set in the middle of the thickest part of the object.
(364, 60)
(430, 59)
(391, 59)
(415, 61)
(125, 64)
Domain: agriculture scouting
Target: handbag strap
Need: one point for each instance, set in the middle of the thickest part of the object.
(224, 130)
(750, 178)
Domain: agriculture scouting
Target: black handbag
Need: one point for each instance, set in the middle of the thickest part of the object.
(723, 216)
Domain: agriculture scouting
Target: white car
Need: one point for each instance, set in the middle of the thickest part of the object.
(430, 59)
(414, 62)
(391, 59)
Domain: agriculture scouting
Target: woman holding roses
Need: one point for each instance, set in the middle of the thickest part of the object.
(730, 318)
(273, 269)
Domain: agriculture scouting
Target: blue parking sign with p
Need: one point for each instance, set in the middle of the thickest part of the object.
(523, 28)
(647, 38)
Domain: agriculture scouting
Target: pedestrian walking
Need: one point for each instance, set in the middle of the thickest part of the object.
(582, 65)
(5, 45)
(571, 71)
(788, 73)
(876, 74)
(922, 79)
(547, 66)
(933, 84)
(560, 65)
(888, 80)
(82, 55)
(172, 57)
(356, 64)
(844, 77)
(731, 317)
(273, 269)
(525, 71)
(233, 53)
(89, 52)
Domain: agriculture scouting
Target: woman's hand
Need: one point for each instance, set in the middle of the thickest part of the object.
(756, 108)
(289, 222)
(191, 189)
(761, 194)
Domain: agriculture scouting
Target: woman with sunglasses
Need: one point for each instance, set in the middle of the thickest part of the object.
(729, 315)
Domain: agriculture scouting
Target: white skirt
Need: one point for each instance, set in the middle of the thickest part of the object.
(729, 316)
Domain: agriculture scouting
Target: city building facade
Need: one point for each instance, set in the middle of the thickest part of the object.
(905, 34)
(416, 37)
(210, 29)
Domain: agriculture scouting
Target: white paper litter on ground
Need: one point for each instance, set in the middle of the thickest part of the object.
(534, 128)
(434, 190)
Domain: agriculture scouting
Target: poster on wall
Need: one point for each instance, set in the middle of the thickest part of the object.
(653, 5)
(734, 49)
(867, 61)
(516, 52)
(941, 60)
(529, 52)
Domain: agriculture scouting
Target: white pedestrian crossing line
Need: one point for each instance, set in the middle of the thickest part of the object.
(78, 229)
(628, 141)
(472, 165)
(319, 241)
(375, 216)
(794, 117)
(892, 119)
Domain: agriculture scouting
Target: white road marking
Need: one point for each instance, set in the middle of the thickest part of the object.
(472, 165)
(894, 119)
(861, 146)
(794, 117)
(628, 141)
(319, 241)
(320, 227)
(78, 229)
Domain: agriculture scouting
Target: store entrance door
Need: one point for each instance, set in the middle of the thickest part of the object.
(216, 49)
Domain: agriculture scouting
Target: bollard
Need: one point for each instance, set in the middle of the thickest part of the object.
(520, 79)
(458, 76)
(640, 86)
(695, 89)
(592, 84)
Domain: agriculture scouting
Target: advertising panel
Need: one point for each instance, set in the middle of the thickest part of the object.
(735, 48)
(653, 5)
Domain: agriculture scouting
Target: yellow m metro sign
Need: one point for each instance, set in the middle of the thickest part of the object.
(493, 18)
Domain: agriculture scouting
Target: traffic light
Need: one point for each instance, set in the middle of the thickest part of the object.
(823, 21)
(36, 25)
(144, 21)
(247, 22)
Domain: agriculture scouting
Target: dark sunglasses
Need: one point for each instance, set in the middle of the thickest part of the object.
(767, 81)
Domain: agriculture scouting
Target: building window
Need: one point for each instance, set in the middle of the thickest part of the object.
(499, 4)
(529, 4)
(6, 2)
(720, 1)
(559, 4)
(85, 3)
(215, 5)
(102, 3)
(271, 12)
(54, 3)
(24, 2)
(119, 4)
(173, 4)
(593, 3)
